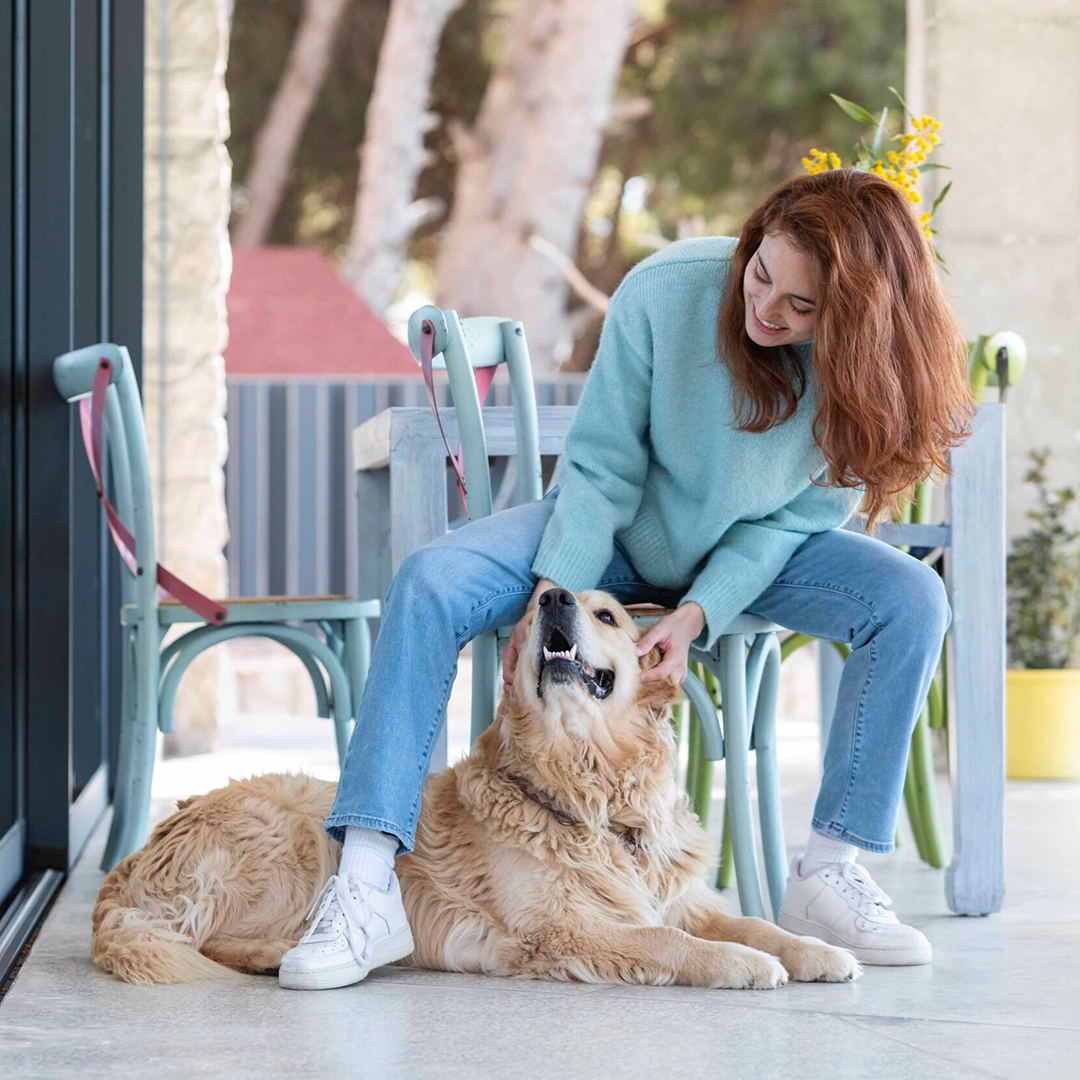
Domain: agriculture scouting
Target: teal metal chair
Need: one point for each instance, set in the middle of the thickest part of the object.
(744, 662)
(151, 673)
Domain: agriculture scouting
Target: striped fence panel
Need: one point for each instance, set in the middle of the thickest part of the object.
(289, 485)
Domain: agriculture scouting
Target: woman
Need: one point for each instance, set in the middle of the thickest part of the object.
(745, 394)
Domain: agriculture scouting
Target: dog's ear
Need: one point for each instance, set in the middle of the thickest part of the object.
(658, 694)
(651, 658)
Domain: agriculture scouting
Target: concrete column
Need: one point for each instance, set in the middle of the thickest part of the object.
(187, 268)
(1004, 80)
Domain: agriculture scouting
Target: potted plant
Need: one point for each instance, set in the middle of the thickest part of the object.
(1043, 690)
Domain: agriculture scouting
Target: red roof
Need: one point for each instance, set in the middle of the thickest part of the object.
(291, 315)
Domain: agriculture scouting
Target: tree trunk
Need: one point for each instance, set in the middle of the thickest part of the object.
(529, 162)
(280, 133)
(393, 151)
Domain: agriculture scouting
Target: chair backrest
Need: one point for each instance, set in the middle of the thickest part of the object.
(460, 346)
(996, 360)
(125, 438)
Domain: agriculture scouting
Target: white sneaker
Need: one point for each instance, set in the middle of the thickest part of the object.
(356, 928)
(841, 904)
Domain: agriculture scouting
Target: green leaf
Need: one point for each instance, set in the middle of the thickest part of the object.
(933, 165)
(900, 99)
(941, 195)
(856, 112)
(879, 131)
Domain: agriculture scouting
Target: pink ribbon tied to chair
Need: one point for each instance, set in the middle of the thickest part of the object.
(483, 377)
(91, 412)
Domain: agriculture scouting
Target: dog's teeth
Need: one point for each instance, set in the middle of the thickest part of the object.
(564, 654)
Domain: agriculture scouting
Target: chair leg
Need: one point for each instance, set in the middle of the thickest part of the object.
(121, 799)
(485, 667)
(768, 778)
(678, 721)
(138, 745)
(699, 768)
(737, 761)
(356, 656)
(695, 751)
(703, 772)
(703, 781)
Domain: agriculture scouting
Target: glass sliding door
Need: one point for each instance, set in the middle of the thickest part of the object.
(12, 832)
(71, 149)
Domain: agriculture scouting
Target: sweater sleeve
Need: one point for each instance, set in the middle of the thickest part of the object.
(605, 454)
(751, 554)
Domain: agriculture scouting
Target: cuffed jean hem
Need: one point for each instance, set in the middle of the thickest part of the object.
(838, 832)
(334, 826)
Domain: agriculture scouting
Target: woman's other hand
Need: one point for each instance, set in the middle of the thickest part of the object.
(673, 634)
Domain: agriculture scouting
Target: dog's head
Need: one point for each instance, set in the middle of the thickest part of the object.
(579, 672)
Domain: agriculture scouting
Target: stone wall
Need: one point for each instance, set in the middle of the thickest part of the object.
(1004, 80)
(187, 267)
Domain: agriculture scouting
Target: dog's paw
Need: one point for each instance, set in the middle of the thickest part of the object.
(768, 975)
(743, 968)
(809, 959)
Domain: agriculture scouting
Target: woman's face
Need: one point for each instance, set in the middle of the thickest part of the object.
(781, 288)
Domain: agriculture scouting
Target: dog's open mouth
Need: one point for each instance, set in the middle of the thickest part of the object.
(560, 659)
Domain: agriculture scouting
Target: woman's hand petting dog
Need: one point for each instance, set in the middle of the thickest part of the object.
(673, 634)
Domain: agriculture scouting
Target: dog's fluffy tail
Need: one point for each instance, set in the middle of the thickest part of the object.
(156, 943)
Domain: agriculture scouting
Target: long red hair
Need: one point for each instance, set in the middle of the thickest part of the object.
(888, 355)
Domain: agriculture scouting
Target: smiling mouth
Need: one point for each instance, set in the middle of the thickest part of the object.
(764, 325)
(559, 659)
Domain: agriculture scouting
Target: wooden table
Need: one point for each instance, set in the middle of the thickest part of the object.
(401, 490)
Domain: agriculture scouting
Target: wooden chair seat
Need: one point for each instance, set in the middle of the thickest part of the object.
(245, 609)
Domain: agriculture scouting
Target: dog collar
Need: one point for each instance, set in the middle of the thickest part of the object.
(629, 836)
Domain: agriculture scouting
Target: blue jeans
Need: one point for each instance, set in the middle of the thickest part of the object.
(839, 585)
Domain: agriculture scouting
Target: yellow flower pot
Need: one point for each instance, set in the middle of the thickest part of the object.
(1043, 710)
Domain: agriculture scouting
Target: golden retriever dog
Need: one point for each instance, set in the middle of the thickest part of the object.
(560, 848)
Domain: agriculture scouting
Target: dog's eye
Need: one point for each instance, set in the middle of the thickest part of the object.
(605, 616)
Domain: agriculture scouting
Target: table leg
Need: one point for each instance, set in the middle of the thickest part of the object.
(373, 572)
(975, 574)
(418, 514)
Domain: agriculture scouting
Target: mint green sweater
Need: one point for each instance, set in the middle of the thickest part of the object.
(652, 458)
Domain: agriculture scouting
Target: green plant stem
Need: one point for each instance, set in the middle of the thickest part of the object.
(922, 758)
(914, 808)
(725, 878)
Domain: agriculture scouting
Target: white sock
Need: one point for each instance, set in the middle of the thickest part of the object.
(368, 855)
(821, 850)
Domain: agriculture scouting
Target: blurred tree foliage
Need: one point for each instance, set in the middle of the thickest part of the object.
(739, 91)
(318, 204)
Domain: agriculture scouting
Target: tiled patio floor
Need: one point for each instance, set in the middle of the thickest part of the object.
(1001, 998)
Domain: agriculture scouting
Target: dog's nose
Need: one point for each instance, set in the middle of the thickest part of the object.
(555, 598)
